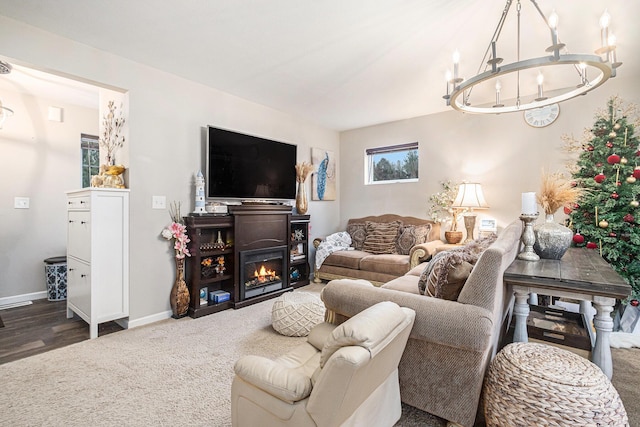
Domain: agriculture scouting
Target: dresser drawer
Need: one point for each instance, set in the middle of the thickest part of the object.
(79, 203)
(79, 235)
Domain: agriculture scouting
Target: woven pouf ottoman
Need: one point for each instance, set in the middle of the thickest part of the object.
(295, 313)
(533, 384)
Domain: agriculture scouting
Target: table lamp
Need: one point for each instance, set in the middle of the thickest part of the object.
(469, 197)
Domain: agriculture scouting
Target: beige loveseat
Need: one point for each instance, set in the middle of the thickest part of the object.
(452, 342)
(379, 268)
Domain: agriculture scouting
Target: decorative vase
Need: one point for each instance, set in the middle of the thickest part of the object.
(552, 239)
(453, 237)
(301, 199)
(113, 176)
(179, 297)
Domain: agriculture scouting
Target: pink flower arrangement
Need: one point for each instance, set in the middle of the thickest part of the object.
(178, 231)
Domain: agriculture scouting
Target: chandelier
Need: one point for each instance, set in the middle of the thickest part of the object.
(583, 72)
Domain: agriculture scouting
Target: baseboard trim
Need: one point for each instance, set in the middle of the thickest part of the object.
(146, 320)
(23, 298)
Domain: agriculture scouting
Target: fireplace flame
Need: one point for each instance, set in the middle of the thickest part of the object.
(264, 274)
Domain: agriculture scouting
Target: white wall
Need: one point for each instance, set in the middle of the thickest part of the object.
(40, 160)
(501, 152)
(166, 116)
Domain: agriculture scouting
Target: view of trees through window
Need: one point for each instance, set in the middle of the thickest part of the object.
(394, 163)
(90, 158)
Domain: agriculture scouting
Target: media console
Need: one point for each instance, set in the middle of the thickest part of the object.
(257, 252)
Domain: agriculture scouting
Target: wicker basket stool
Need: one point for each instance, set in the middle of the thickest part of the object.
(294, 313)
(532, 384)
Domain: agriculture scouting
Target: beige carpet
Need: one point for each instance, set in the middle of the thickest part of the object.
(173, 372)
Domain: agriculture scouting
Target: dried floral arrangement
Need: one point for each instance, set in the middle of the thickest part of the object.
(440, 209)
(557, 192)
(111, 138)
(302, 171)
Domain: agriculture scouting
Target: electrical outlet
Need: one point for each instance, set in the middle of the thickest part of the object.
(21, 202)
(158, 202)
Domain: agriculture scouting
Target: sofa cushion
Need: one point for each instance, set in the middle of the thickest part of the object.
(446, 273)
(394, 264)
(411, 235)
(346, 259)
(407, 283)
(381, 237)
(358, 233)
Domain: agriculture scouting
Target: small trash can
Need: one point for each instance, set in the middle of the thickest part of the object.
(56, 273)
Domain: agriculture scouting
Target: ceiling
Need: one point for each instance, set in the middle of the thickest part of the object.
(341, 64)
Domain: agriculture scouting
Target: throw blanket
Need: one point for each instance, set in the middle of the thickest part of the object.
(340, 241)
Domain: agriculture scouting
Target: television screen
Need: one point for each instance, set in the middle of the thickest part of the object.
(248, 167)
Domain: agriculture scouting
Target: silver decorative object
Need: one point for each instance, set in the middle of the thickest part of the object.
(552, 239)
(528, 238)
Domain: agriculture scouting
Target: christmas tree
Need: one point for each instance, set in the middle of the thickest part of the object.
(606, 216)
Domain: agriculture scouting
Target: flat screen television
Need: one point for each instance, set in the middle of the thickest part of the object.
(246, 167)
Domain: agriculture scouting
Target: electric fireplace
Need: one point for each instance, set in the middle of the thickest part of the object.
(262, 271)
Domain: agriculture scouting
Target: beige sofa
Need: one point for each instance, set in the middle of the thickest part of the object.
(452, 342)
(379, 268)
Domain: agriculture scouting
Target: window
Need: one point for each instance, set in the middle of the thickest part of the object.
(396, 163)
(90, 158)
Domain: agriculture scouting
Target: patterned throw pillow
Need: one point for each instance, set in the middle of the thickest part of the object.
(381, 237)
(358, 233)
(411, 235)
(447, 272)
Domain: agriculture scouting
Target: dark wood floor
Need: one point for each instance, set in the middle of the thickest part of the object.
(40, 327)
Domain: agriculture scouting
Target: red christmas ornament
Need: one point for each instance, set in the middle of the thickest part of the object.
(637, 153)
(599, 178)
(634, 302)
(636, 172)
(609, 145)
(578, 238)
(567, 210)
(613, 159)
(599, 164)
(615, 196)
(591, 245)
(612, 234)
(628, 218)
(590, 148)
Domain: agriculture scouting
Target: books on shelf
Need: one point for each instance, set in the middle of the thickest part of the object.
(297, 257)
(219, 296)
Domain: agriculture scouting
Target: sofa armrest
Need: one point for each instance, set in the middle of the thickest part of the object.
(284, 383)
(443, 322)
(419, 253)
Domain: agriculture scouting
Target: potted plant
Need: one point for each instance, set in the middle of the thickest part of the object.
(441, 210)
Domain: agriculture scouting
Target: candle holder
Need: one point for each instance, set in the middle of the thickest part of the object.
(528, 238)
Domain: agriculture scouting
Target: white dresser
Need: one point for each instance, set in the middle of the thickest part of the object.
(98, 255)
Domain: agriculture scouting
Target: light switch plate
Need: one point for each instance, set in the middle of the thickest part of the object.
(158, 202)
(21, 202)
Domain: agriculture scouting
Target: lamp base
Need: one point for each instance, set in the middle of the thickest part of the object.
(469, 224)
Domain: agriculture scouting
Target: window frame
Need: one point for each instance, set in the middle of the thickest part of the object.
(398, 148)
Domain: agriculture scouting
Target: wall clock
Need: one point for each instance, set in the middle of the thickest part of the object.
(543, 116)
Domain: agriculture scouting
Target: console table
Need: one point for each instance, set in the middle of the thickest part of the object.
(581, 274)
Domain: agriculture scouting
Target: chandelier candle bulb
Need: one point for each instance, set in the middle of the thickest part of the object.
(540, 80)
(604, 25)
(456, 63)
(529, 204)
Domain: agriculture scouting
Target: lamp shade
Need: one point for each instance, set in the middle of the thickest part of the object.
(470, 196)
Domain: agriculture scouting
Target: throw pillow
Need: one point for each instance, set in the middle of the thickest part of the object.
(447, 272)
(358, 234)
(411, 235)
(381, 237)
